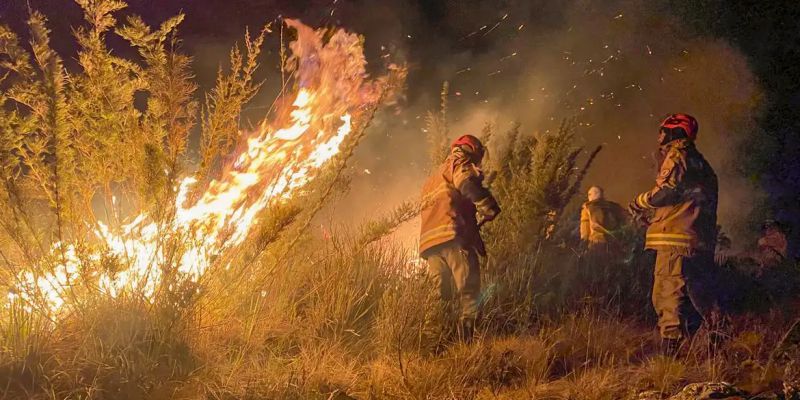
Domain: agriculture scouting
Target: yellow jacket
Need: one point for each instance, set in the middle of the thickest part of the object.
(449, 197)
(684, 201)
(600, 219)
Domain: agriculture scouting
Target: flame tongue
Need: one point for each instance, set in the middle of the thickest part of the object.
(276, 162)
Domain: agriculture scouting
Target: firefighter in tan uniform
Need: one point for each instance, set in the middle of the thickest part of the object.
(682, 230)
(601, 221)
(455, 205)
(772, 245)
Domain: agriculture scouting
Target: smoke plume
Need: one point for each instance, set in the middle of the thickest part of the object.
(615, 67)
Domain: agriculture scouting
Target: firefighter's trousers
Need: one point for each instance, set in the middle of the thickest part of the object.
(683, 294)
(604, 253)
(455, 271)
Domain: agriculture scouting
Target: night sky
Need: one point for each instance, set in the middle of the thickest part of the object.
(766, 32)
(458, 40)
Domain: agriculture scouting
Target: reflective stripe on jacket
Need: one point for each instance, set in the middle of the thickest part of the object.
(684, 201)
(447, 214)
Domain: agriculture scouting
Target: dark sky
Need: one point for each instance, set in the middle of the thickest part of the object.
(474, 44)
(766, 31)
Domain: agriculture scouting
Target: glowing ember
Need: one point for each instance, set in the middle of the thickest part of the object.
(279, 158)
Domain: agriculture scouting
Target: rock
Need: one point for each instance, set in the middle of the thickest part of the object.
(791, 380)
(791, 392)
(710, 391)
(650, 395)
(788, 352)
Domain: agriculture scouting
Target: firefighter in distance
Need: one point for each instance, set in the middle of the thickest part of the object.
(601, 222)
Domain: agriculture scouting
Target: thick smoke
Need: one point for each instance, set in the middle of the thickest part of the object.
(616, 67)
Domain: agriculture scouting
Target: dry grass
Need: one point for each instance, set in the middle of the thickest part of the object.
(664, 374)
(347, 324)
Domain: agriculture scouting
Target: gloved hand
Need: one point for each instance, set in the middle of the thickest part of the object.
(638, 214)
(635, 210)
(488, 209)
(482, 219)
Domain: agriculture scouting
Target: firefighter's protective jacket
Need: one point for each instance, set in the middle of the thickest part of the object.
(684, 202)
(600, 220)
(451, 197)
(773, 248)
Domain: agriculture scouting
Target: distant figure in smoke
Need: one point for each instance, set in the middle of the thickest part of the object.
(774, 275)
(682, 230)
(601, 221)
(772, 245)
(456, 204)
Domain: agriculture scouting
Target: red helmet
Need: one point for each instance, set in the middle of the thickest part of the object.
(677, 126)
(475, 146)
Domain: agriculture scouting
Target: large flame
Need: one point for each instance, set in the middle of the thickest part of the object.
(279, 158)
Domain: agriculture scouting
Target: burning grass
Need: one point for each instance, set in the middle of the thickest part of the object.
(214, 289)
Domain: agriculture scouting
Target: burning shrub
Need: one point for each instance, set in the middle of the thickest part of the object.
(75, 147)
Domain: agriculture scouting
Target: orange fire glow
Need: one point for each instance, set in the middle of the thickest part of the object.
(278, 160)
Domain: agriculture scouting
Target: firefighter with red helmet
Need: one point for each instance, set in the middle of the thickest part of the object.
(455, 205)
(682, 230)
